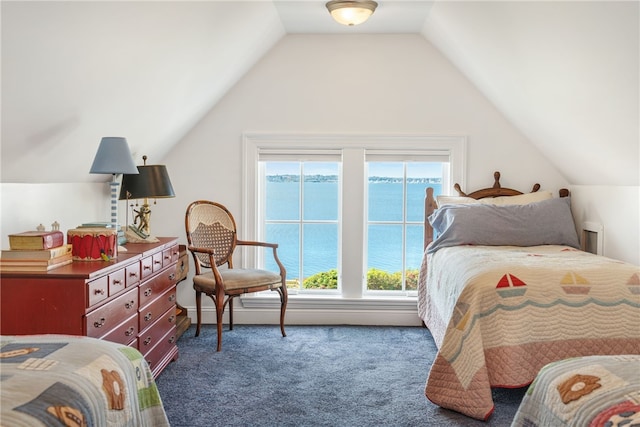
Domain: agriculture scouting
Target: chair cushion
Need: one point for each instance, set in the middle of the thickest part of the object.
(239, 278)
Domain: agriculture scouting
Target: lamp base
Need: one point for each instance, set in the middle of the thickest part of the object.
(135, 235)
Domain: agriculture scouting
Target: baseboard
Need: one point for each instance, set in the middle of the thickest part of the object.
(297, 316)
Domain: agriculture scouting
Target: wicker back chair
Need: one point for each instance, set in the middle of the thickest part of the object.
(212, 239)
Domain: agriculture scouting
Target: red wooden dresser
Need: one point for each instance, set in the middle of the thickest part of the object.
(130, 300)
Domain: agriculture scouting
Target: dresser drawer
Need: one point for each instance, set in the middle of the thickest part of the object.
(151, 312)
(132, 275)
(157, 262)
(125, 332)
(154, 287)
(116, 281)
(170, 256)
(162, 352)
(102, 321)
(146, 267)
(97, 290)
(151, 336)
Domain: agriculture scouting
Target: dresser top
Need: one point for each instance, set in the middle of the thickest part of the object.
(91, 269)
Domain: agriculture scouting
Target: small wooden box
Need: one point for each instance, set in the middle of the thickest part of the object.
(93, 244)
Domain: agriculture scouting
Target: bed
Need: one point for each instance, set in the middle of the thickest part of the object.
(54, 380)
(505, 289)
(583, 391)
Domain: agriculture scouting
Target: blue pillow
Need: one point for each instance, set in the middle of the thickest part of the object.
(548, 222)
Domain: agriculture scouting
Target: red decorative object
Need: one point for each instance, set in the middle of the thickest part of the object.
(93, 244)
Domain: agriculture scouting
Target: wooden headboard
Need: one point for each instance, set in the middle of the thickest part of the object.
(496, 190)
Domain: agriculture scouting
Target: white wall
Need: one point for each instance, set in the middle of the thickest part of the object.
(344, 84)
(24, 206)
(617, 209)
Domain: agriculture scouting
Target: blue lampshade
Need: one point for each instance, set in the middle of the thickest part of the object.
(113, 157)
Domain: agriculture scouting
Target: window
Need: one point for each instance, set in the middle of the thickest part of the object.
(301, 214)
(347, 212)
(395, 221)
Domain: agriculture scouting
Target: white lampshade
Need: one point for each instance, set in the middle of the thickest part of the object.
(351, 12)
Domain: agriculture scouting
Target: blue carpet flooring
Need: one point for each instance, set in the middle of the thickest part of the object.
(316, 376)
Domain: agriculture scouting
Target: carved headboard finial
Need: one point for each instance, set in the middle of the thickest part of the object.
(496, 177)
(461, 193)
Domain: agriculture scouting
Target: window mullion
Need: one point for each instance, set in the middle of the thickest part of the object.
(353, 214)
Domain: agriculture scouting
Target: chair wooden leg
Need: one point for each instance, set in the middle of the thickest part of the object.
(283, 308)
(230, 313)
(219, 312)
(198, 311)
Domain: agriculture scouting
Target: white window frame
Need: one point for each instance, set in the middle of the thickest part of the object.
(352, 148)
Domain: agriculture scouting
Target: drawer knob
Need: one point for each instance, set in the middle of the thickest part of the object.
(157, 261)
(172, 297)
(147, 267)
(116, 282)
(129, 304)
(100, 323)
(172, 319)
(98, 291)
(147, 341)
(172, 339)
(147, 292)
(172, 276)
(133, 274)
(148, 316)
(130, 331)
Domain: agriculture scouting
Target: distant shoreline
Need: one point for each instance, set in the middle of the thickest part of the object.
(334, 178)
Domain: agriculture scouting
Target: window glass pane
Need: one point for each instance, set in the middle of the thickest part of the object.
(413, 255)
(385, 188)
(421, 175)
(320, 191)
(287, 235)
(282, 196)
(320, 255)
(384, 265)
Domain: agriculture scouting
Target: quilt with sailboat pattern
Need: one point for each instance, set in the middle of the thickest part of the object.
(498, 314)
(60, 380)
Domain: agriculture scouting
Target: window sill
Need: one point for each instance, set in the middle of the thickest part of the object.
(331, 302)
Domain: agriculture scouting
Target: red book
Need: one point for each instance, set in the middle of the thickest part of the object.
(36, 240)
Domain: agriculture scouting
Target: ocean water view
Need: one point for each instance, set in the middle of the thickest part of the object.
(319, 231)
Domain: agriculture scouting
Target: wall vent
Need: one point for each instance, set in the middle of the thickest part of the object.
(592, 237)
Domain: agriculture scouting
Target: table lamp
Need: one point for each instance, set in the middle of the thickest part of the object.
(113, 157)
(151, 182)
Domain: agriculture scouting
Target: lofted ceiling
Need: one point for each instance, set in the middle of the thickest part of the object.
(566, 74)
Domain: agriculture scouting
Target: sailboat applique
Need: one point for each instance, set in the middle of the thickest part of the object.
(634, 284)
(573, 283)
(460, 316)
(510, 286)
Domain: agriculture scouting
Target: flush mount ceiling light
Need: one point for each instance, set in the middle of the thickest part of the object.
(351, 12)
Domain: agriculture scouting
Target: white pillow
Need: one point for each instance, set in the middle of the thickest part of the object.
(521, 199)
(455, 200)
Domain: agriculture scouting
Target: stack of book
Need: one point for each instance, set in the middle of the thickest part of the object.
(35, 251)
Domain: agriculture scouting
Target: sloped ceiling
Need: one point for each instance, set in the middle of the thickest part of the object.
(565, 73)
